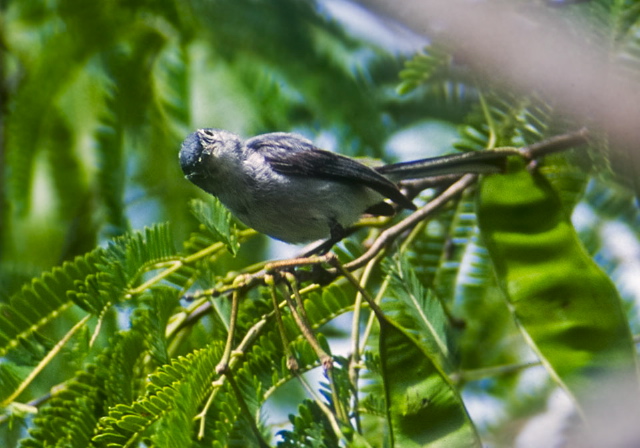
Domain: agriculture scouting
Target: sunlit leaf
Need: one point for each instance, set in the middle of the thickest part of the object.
(217, 220)
(567, 307)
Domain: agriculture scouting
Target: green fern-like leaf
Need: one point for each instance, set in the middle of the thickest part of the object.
(310, 429)
(429, 248)
(68, 173)
(505, 119)
(172, 89)
(150, 319)
(462, 226)
(120, 364)
(69, 418)
(44, 299)
(421, 68)
(217, 219)
(135, 253)
(420, 314)
(110, 149)
(174, 394)
(94, 282)
(333, 301)
(28, 131)
(478, 301)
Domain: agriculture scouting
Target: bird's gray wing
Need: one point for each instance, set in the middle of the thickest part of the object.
(296, 156)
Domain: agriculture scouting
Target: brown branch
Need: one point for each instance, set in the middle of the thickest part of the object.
(556, 144)
(389, 235)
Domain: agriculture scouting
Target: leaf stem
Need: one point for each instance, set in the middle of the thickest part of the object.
(45, 361)
(354, 361)
(490, 123)
(223, 365)
(488, 372)
(245, 409)
(300, 316)
(175, 265)
(323, 407)
(292, 363)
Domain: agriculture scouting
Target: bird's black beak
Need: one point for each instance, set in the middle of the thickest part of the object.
(191, 156)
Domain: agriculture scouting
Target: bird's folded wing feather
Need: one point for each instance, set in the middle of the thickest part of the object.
(300, 158)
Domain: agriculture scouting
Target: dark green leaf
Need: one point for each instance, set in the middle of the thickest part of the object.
(425, 409)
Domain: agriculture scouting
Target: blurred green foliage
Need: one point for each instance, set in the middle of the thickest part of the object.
(101, 237)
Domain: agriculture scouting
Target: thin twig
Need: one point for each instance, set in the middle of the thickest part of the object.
(201, 416)
(371, 320)
(245, 409)
(223, 365)
(323, 407)
(249, 338)
(556, 144)
(354, 361)
(303, 323)
(390, 234)
(300, 316)
(292, 363)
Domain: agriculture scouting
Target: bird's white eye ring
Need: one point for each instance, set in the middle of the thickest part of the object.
(209, 134)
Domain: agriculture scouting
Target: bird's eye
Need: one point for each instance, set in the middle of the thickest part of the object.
(208, 134)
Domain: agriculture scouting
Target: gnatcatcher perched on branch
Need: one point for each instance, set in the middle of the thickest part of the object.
(282, 185)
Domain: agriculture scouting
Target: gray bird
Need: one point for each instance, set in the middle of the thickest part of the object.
(281, 185)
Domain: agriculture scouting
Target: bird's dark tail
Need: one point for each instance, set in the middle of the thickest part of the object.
(478, 162)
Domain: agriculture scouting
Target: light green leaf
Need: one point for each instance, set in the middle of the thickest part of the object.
(420, 312)
(568, 309)
(217, 219)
